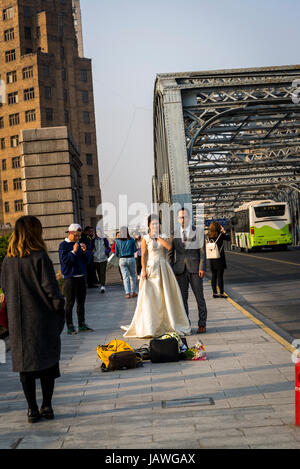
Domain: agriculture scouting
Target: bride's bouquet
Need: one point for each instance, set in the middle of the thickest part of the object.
(196, 353)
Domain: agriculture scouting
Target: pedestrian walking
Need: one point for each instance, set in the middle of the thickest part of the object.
(88, 238)
(101, 253)
(217, 234)
(74, 258)
(188, 259)
(125, 248)
(35, 309)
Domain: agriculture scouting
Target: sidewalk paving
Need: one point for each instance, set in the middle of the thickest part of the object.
(247, 386)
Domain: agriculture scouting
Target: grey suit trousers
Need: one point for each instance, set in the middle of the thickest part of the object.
(184, 280)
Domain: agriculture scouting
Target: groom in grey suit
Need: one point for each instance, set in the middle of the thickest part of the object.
(188, 260)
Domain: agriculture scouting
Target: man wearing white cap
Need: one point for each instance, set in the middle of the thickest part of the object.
(74, 258)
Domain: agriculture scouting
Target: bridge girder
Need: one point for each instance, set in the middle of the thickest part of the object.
(227, 136)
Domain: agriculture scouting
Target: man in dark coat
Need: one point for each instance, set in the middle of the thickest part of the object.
(188, 260)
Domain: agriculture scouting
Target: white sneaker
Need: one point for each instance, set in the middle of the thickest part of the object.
(102, 289)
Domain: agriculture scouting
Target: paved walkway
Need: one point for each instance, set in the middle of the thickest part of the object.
(246, 386)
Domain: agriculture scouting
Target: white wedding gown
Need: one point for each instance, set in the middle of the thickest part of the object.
(159, 307)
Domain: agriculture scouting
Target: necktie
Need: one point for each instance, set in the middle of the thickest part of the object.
(184, 237)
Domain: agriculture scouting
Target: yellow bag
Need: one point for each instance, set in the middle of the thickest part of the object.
(105, 351)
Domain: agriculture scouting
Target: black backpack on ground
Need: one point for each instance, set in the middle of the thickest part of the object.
(164, 350)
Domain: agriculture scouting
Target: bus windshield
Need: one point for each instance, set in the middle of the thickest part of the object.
(269, 211)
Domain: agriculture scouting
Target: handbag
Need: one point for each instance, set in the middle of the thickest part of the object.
(164, 350)
(113, 261)
(212, 249)
(3, 314)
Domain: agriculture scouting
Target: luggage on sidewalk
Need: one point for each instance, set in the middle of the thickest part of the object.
(117, 355)
(164, 349)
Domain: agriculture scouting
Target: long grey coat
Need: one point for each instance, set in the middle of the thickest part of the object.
(35, 309)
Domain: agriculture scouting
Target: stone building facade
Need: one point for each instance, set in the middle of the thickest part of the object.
(52, 191)
(44, 84)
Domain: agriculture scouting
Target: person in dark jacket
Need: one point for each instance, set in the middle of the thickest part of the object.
(218, 234)
(74, 258)
(88, 238)
(35, 309)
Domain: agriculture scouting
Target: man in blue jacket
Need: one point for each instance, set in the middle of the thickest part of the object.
(74, 258)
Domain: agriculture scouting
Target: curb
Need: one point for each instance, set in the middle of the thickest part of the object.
(290, 348)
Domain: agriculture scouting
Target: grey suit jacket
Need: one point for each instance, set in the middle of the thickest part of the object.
(191, 256)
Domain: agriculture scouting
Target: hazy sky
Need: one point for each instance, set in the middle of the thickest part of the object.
(130, 41)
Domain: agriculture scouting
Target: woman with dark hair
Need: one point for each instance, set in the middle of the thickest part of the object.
(218, 234)
(35, 309)
(125, 248)
(160, 307)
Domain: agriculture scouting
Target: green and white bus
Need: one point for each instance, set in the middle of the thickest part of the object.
(262, 223)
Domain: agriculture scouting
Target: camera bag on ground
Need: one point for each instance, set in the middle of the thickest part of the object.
(117, 355)
(164, 349)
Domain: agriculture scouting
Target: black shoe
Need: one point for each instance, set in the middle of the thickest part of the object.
(222, 295)
(215, 295)
(85, 328)
(47, 413)
(33, 415)
(71, 330)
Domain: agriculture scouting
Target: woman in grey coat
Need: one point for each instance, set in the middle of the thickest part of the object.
(35, 308)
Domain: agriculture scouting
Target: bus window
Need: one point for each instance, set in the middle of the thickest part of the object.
(270, 211)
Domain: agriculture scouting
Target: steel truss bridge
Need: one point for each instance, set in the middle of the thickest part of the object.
(225, 137)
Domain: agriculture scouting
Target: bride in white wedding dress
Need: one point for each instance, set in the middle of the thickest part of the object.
(160, 306)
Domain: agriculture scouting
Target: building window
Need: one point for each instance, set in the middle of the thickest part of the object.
(11, 77)
(2, 144)
(89, 159)
(27, 32)
(9, 34)
(26, 11)
(17, 184)
(46, 70)
(15, 162)
(27, 72)
(47, 92)
(62, 52)
(28, 94)
(30, 115)
(14, 141)
(5, 186)
(49, 114)
(87, 138)
(92, 201)
(67, 117)
(85, 97)
(10, 55)
(91, 181)
(86, 117)
(19, 205)
(83, 75)
(6, 207)
(7, 13)
(65, 94)
(3, 165)
(1, 122)
(12, 98)
(14, 119)
(64, 74)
